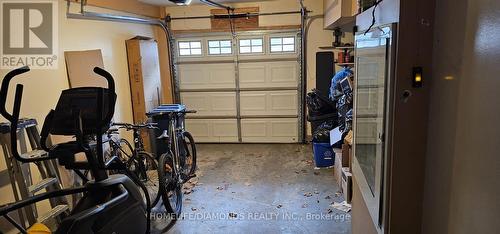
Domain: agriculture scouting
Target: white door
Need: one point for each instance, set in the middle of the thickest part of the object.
(244, 89)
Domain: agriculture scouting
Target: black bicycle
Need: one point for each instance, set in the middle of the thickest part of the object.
(137, 160)
(177, 164)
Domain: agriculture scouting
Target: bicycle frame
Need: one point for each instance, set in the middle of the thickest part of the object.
(173, 130)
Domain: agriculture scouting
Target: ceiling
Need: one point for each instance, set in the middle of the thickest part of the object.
(168, 3)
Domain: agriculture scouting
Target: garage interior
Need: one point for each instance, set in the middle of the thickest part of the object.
(246, 116)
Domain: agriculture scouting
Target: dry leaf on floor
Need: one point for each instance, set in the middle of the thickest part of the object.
(308, 194)
(342, 206)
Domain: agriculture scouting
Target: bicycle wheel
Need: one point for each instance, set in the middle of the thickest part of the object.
(170, 186)
(149, 175)
(188, 154)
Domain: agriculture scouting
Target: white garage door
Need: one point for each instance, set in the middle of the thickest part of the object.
(244, 89)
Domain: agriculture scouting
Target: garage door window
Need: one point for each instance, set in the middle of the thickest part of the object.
(222, 47)
(251, 46)
(189, 48)
(282, 44)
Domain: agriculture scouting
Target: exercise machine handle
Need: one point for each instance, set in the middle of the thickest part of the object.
(107, 76)
(111, 87)
(13, 117)
(5, 89)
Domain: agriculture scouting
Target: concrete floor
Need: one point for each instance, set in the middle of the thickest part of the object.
(266, 188)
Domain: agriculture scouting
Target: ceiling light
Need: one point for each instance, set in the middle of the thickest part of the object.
(181, 2)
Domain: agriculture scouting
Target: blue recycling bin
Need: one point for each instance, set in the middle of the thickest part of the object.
(323, 154)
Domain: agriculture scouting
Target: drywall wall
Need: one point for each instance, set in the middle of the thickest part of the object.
(463, 166)
(42, 87)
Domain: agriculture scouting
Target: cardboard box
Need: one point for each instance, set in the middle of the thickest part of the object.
(347, 184)
(80, 68)
(337, 167)
(345, 155)
(145, 79)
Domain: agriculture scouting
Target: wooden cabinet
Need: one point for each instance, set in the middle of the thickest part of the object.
(339, 12)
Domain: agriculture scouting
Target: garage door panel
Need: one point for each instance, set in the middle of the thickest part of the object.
(284, 101)
(269, 130)
(252, 102)
(284, 73)
(210, 103)
(252, 75)
(269, 74)
(269, 103)
(203, 76)
(213, 130)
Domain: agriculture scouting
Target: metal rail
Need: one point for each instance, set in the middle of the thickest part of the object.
(240, 15)
(303, 81)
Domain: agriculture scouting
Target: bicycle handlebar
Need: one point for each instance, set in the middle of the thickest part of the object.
(135, 126)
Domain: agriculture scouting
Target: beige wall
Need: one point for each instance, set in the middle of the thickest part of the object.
(42, 87)
(463, 167)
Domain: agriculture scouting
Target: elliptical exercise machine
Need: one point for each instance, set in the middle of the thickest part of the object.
(110, 204)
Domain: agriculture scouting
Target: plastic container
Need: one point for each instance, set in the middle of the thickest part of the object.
(323, 154)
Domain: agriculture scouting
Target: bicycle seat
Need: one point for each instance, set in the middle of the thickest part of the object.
(163, 136)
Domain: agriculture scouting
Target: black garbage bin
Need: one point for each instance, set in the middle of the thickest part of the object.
(160, 115)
